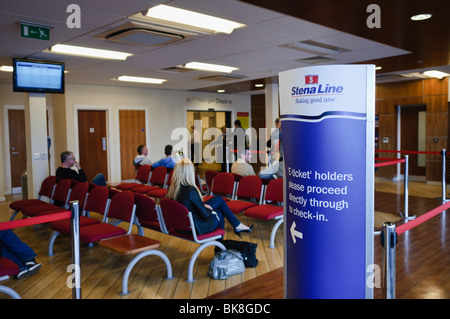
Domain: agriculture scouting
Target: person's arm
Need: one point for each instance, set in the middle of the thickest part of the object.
(199, 206)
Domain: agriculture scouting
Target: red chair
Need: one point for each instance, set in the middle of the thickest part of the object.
(8, 268)
(273, 194)
(157, 181)
(60, 198)
(121, 208)
(146, 213)
(178, 222)
(209, 176)
(77, 193)
(142, 177)
(161, 192)
(248, 194)
(47, 188)
(222, 185)
(97, 202)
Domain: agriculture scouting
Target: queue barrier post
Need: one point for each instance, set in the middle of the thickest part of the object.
(75, 240)
(406, 190)
(444, 173)
(388, 242)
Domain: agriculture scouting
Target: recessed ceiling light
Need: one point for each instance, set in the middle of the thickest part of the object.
(436, 74)
(259, 85)
(140, 79)
(194, 19)
(89, 52)
(220, 91)
(378, 68)
(6, 68)
(422, 16)
(210, 67)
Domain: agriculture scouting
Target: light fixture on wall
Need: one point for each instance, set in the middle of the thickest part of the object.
(210, 67)
(6, 68)
(140, 79)
(88, 52)
(420, 17)
(435, 74)
(182, 17)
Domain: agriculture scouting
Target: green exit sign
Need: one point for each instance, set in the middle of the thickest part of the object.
(35, 32)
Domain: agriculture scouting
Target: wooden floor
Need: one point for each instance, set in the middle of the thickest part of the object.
(422, 259)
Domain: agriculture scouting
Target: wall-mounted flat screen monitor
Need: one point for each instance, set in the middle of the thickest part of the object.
(38, 76)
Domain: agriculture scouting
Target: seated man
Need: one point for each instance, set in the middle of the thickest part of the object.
(71, 169)
(17, 251)
(166, 161)
(142, 158)
(241, 166)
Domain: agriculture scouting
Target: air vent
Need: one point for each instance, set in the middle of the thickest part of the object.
(176, 69)
(145, 34)
(221, 77)
(315, 60)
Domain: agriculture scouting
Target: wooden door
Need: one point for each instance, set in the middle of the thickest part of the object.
(410, 136)
(92, 139)
(17, 146)
(132, 134)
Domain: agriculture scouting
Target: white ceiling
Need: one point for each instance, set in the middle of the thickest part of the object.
(255, 49)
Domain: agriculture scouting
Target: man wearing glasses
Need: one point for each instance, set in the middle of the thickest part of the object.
(71, 169)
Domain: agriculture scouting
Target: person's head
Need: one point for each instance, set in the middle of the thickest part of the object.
(246, 155)
(277, 122)
(224, 130)
(168, 150)
(67, 159)
(183, 174)
(142, 150)
(237, 123)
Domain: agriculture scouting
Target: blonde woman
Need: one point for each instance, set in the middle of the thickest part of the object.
(207, 215)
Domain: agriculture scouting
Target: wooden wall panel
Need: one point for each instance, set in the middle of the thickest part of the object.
(433, 93)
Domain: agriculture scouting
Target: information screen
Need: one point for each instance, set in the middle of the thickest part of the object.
(38, 76)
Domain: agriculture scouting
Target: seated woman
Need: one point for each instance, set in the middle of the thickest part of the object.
(207, 215)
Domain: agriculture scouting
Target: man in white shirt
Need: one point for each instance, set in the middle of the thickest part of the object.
(241, 166)
(142, 158)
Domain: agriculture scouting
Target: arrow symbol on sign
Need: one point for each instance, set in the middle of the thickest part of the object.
(295, 233)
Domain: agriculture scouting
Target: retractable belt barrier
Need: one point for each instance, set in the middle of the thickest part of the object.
(389, 239)
(74, 216)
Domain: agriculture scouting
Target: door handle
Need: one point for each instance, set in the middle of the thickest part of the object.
(104, 143)
(15, 153)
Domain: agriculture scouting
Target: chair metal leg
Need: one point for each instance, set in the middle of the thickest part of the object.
(139, 257)
(51, 242)
(274, 232)
(9, 291)
(13, 215)
(195, 255)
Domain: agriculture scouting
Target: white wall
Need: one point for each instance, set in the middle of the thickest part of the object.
(165, 111)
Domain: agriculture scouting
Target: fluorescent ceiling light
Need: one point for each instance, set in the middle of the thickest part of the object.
(220, 91)
(6, 68)
(436, 74)
(140, 79)
(194, 19)
(89, 52)
(259, 85)
(378, 68)
(422, 16)
(210, 67)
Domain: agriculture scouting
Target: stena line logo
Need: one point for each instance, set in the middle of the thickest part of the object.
(312, 87)
(311, 79)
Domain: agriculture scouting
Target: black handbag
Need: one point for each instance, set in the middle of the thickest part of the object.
(247, 250)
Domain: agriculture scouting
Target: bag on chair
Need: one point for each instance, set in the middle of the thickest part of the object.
(226, 263)
(248, 250)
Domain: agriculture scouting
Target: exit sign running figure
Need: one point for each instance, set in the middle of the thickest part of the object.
(35, 32)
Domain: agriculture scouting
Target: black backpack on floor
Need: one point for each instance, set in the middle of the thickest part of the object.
(247, 250)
